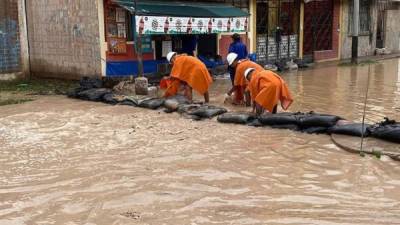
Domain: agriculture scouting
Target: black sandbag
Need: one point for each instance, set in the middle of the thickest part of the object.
(168, 110)
(95, 94)
(153, 103)
(278, 119)
(129, 101)
(317, 120)
(387, 130)
(235, 117)
(255, 123)
(353, 129)
(208, 111)
(315, 130)
(187, 108)
(286, 126)
(73, 93)
(109, 99)
(172, 103)
(87, 83)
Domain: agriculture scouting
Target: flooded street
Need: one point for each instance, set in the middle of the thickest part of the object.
(66, 161)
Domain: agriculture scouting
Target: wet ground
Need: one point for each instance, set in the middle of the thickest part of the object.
(65, 161)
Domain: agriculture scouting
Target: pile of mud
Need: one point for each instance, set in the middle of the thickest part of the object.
(311, 122)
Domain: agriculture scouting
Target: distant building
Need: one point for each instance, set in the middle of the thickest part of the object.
(379, 27)
(71, 39)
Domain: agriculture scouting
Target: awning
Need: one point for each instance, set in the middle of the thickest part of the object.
(181, 9)
(155, 17)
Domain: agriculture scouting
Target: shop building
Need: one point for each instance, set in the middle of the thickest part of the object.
(97, 38)
(195, 28)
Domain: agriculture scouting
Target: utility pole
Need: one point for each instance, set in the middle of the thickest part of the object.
(138, 45)
(141, 82)
(356, 25)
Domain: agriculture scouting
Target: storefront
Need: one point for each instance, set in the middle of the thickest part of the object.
(193, 28)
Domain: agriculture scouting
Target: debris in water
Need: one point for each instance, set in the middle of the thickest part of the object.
(131, 215)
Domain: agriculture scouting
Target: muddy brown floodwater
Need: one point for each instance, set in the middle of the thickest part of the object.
(65, 161)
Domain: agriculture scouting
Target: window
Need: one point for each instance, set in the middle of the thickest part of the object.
(365, 17)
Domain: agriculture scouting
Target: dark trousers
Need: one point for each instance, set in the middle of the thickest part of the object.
(275, 110)
(232, 72)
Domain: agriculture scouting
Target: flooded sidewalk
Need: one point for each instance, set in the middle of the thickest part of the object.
(66, 161)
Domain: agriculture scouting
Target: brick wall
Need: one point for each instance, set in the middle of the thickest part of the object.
(64, 38)
(10, 47)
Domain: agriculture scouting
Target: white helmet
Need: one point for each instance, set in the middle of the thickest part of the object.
(247, 73)
(231, 57)
(170, 55)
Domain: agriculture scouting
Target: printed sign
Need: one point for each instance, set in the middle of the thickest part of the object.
(117, 45)
(186, 25)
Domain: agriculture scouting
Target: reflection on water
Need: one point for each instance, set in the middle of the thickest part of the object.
(65, 161)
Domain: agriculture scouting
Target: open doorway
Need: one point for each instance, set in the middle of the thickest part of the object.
(383, 6)
(381, 23)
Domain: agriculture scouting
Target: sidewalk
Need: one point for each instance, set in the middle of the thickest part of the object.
(364, 59)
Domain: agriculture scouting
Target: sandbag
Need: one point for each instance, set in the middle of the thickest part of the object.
(315, 130)
(387, 130)
(278, 119)
(128, 103)
(187, 108)
(293, 127)
(353, 129)
(87, 83)
(208, 111)
(236, 117)
(312, 119)
(74, 92)
(255, 123)
(95, 94)
(109, 99)
(153, 103)
(172, 103)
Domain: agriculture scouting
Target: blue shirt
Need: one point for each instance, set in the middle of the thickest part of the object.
(239, 48)
(189, 45)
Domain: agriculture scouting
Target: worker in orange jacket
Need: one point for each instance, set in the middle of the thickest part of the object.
(188, 73)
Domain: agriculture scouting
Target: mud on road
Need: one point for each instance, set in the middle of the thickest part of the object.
(65, 161)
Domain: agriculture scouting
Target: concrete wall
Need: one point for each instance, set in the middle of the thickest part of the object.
(10, 47)
(64, 38)
(366, 43)
(392, 39)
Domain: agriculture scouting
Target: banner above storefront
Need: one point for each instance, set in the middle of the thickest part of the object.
(152, 25)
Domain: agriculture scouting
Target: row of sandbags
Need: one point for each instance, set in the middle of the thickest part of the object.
(196, 111)
(315, 123)
(311, 122)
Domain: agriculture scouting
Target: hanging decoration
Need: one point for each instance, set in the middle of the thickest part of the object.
(185, 25)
